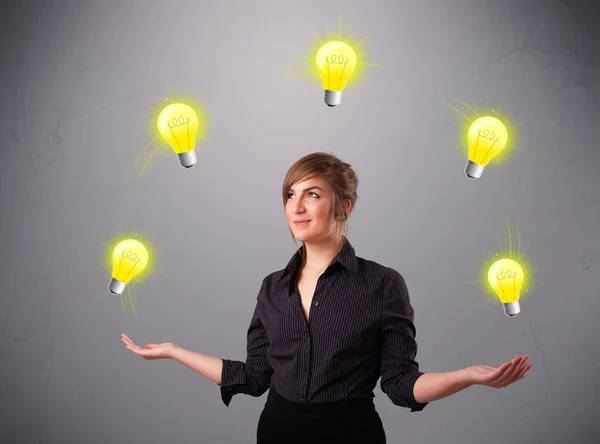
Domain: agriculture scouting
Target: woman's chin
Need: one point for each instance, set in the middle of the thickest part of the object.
(301, 236)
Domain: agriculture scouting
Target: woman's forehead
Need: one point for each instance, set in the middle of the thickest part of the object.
(311, 182)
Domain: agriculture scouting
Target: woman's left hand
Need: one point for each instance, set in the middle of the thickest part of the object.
(502, 376)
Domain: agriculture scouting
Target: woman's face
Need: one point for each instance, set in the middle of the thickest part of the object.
(308, 210)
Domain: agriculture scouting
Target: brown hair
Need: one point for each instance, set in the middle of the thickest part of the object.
(338, 174)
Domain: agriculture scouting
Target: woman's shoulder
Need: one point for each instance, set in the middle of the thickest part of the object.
(273, 277)
(377, 267)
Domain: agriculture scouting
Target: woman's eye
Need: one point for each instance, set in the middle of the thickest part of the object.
(311, 194)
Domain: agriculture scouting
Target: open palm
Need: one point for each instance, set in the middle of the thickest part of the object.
(151, 351)
(502, 376)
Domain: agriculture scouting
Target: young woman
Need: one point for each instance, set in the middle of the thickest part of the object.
(327, 327)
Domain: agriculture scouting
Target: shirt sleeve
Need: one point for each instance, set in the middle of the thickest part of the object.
(399, 370)
(252, 377)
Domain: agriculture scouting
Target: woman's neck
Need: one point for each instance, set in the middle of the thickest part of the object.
(319, 256)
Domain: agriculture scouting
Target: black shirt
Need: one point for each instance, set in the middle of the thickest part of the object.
(360, 327)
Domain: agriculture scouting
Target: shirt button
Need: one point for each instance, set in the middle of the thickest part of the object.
(316, 303)
(302, 398)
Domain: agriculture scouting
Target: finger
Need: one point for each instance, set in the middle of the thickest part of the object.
(524, 370)
(509, 374)
(487, 378)
(514, 373)
(502, 379)
(522, 364)
(518, 364)
(500, 374)
(133, 349)
(139, 351)
(126, 340)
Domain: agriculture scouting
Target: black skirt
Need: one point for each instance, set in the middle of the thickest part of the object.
(354, 421)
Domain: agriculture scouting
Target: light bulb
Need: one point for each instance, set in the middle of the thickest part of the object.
(336, 62)
(505, 276)
(178, 125)
(487, 137)
(129, 258)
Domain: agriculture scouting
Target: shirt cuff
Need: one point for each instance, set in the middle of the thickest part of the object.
(232, 374)
(414, 405)
(226, 396)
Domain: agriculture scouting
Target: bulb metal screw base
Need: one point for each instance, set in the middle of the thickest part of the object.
(187, 159)
(512, 308)
(473, 170)
(333, 98)
(115, 286)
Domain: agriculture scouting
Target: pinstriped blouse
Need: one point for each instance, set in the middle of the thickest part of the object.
(360, 328)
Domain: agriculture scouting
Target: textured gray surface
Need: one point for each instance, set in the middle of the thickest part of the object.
(77, 82)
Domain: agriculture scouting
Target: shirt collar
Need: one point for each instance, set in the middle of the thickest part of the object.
(346, 257)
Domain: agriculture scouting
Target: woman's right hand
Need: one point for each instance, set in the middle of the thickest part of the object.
(152, 351)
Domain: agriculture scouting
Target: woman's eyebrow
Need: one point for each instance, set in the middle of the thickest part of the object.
(308, 189)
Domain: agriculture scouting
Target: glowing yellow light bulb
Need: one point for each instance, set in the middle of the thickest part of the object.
(129, 258)
(336, 62)
(487, 137)
(178, 125)
(505, 276)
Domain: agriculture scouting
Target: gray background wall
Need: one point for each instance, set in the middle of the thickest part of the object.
(79, 81)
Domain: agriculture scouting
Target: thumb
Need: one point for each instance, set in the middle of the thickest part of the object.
(151, 345)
